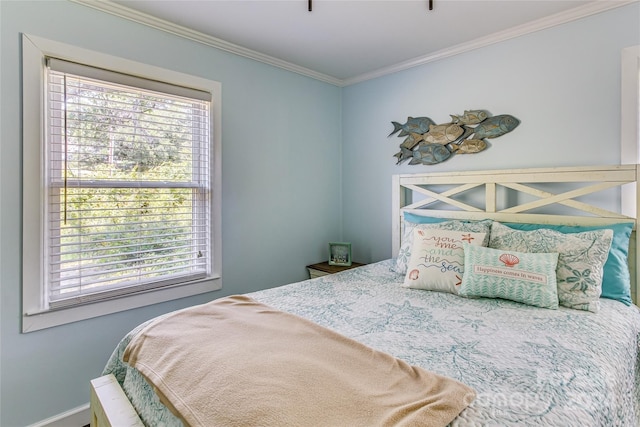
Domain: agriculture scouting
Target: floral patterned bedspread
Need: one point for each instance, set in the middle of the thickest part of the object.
(530, 366)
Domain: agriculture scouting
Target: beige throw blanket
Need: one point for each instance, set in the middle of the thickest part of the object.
(237, 362)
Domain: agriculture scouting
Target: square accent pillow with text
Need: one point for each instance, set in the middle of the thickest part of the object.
(404, 254)
(437, 259)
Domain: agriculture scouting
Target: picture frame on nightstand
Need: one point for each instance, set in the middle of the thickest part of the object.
(340, 253)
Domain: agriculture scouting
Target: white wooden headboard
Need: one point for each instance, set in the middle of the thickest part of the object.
(525, 195)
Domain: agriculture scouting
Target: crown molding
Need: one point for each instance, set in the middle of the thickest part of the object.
(500, 36)
(570, 15)
(160, 24)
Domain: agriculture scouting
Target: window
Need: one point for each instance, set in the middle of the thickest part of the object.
(128, 209)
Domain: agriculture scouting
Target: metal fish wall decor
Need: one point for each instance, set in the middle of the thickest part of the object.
(428, 143)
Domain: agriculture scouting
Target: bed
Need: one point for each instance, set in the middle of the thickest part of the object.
(565, 354)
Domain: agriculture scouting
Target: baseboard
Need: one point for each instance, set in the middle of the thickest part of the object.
(76, 417)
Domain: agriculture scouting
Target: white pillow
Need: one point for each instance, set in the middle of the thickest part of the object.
(437, 259)
(404, 254)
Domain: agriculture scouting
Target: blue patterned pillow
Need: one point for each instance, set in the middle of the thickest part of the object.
(616, 280)
(404, 254)
(580, 262)
(529, 278)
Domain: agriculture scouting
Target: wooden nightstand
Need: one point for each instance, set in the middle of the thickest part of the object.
(323, 268)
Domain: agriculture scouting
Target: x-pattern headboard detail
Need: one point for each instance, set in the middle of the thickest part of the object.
(514, 195)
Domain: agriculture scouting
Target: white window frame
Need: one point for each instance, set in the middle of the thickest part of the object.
(35, 316)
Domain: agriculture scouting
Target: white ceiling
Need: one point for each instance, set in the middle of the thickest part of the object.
(346, 41)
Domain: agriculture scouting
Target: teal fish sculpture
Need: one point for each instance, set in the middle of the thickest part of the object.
(429, 143)
(403, 155)
(413, 125)
(494, 127)
(429, 153)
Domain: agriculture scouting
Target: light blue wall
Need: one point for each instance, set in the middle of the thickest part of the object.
(304, 162)
(281, 192)
(563, 83)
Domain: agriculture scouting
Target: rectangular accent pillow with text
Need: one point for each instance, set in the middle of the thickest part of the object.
(529, 278)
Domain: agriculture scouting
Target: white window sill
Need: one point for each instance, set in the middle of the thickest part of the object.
(48, 319)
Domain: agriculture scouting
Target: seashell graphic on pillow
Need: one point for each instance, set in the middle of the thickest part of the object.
(509, 260)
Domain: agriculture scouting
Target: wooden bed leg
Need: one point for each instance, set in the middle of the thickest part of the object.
(110, 406)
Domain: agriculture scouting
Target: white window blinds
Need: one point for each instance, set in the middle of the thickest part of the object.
(127, 184)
